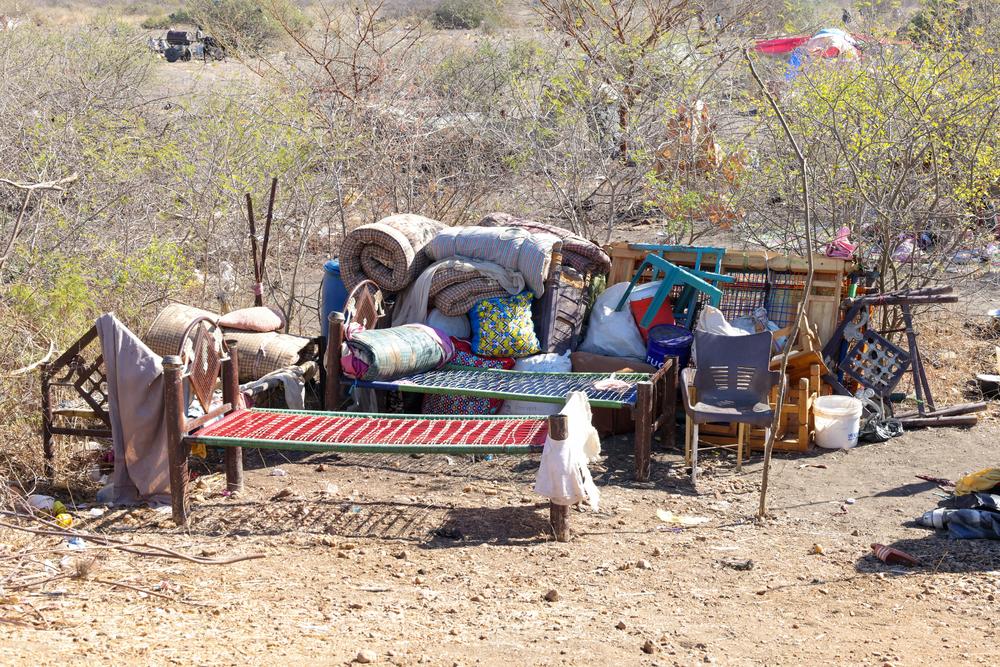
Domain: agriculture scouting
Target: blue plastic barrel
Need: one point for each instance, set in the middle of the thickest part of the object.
(334, 293)
(669, 340)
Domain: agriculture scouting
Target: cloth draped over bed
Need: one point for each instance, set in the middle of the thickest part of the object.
(390, 252)
(138, 423)
(513, 248)
(577, 252)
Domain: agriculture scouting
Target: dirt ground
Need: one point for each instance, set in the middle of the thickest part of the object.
(443, 561)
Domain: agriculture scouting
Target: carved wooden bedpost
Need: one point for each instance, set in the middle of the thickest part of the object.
(231, 395)
(559, 514)
(177, 452)
(334, 341)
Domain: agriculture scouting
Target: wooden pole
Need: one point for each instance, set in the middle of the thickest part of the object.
(47, 421)
(177, 451)
(669, 405)
(643, 429)
(258, 290)
(231, 395)
(334, 341)
(559, 514)
(267, 230)
(807, 293)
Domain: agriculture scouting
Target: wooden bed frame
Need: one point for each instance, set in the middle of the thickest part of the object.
(654, 410)
(183, 432)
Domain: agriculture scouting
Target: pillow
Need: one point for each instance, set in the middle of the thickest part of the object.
(439, 404)
(664, 316)
(502, 327)
(259, 318)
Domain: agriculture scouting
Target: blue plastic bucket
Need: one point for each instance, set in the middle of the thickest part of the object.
(669, 340)
(334, 293)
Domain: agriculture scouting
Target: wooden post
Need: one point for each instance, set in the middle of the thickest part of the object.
(545, 311)
(231, 395)
(559, 514)
(670, 403)
(47, 421)
(643, 429)
(177, 451)
(334, 341)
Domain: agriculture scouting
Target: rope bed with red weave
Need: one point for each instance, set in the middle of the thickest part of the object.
(373, 433)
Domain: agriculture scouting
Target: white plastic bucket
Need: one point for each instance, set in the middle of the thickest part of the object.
(838, 419)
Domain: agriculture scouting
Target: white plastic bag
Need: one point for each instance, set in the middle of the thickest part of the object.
(713, 321)
(540, 363)
(613, 333)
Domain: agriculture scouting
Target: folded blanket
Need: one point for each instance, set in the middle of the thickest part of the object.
(509, 247)
(389, 354)
(460, 298)
(413, 304)
(391, 252)
(578, 252)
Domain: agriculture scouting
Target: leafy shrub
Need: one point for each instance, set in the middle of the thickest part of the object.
(462, 14)
(163, 22)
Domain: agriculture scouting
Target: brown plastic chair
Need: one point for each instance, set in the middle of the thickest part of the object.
(730, 384)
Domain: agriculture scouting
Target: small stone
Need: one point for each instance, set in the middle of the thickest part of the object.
(476, 598)
(343, 554)
(467, 489)
(328, 541)
(321, 467)
(401, 555)
(850, 501)
(644, 564)
(552, 595)
(366, 656)
(816, 549)
(657, 553)
(620, 625)
(855, 532)
(418, 580)
(453, 632)
(649, 647)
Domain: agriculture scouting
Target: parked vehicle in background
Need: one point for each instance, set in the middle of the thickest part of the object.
(181, 45)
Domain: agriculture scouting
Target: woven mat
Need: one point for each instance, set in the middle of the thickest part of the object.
(331, 431)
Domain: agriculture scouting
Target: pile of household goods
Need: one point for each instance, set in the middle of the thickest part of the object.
(513, 294)
(506, 294)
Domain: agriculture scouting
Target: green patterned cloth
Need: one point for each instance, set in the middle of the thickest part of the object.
(388, 354)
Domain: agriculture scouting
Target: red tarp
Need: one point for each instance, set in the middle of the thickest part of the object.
(781, 45)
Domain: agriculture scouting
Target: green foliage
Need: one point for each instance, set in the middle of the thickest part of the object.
(901, 143)
(486, 70)
(249, 26)
(463, 14)
(166, 21)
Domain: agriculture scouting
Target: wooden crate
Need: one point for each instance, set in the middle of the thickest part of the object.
(828, 281)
